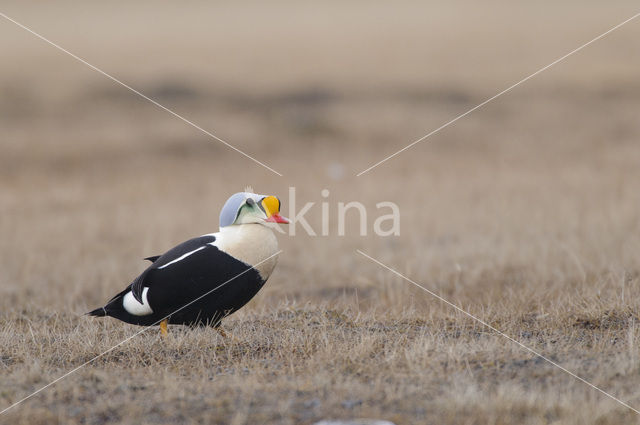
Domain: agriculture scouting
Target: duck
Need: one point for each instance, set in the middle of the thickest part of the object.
(205, 279)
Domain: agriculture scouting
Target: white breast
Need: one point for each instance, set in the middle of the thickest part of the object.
(251, 244)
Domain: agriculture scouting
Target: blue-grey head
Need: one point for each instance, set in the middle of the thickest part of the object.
(248, 207)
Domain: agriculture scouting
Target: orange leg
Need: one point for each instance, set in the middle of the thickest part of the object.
(163, 328)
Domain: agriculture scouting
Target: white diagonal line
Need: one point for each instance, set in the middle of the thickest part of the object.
(498, 95)
(191, 123)
(498, 331)
(132, 336)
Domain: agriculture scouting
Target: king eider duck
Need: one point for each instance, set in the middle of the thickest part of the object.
(205, 279)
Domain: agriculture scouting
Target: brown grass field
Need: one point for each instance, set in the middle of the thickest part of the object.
(525, 213)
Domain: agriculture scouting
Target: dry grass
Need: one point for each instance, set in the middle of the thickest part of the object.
(525, 213)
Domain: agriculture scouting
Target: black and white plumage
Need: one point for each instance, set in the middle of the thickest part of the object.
(232, 265)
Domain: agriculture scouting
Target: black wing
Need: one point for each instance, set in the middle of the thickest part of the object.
(169, 256)
(202, 286)
(153, 258)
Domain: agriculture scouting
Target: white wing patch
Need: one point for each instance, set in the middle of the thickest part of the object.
(134, 307)
(182, 257)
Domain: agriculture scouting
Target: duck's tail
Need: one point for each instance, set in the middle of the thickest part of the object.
(99, 312)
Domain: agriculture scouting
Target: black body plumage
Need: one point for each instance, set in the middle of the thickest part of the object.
(176, 283)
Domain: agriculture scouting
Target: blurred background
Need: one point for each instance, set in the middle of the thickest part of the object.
(531, 200)
(92, 174)
(93, 177)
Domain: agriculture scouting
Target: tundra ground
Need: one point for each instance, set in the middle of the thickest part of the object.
(525, 213)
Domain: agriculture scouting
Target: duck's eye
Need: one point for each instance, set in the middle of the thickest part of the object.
(250, 202)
